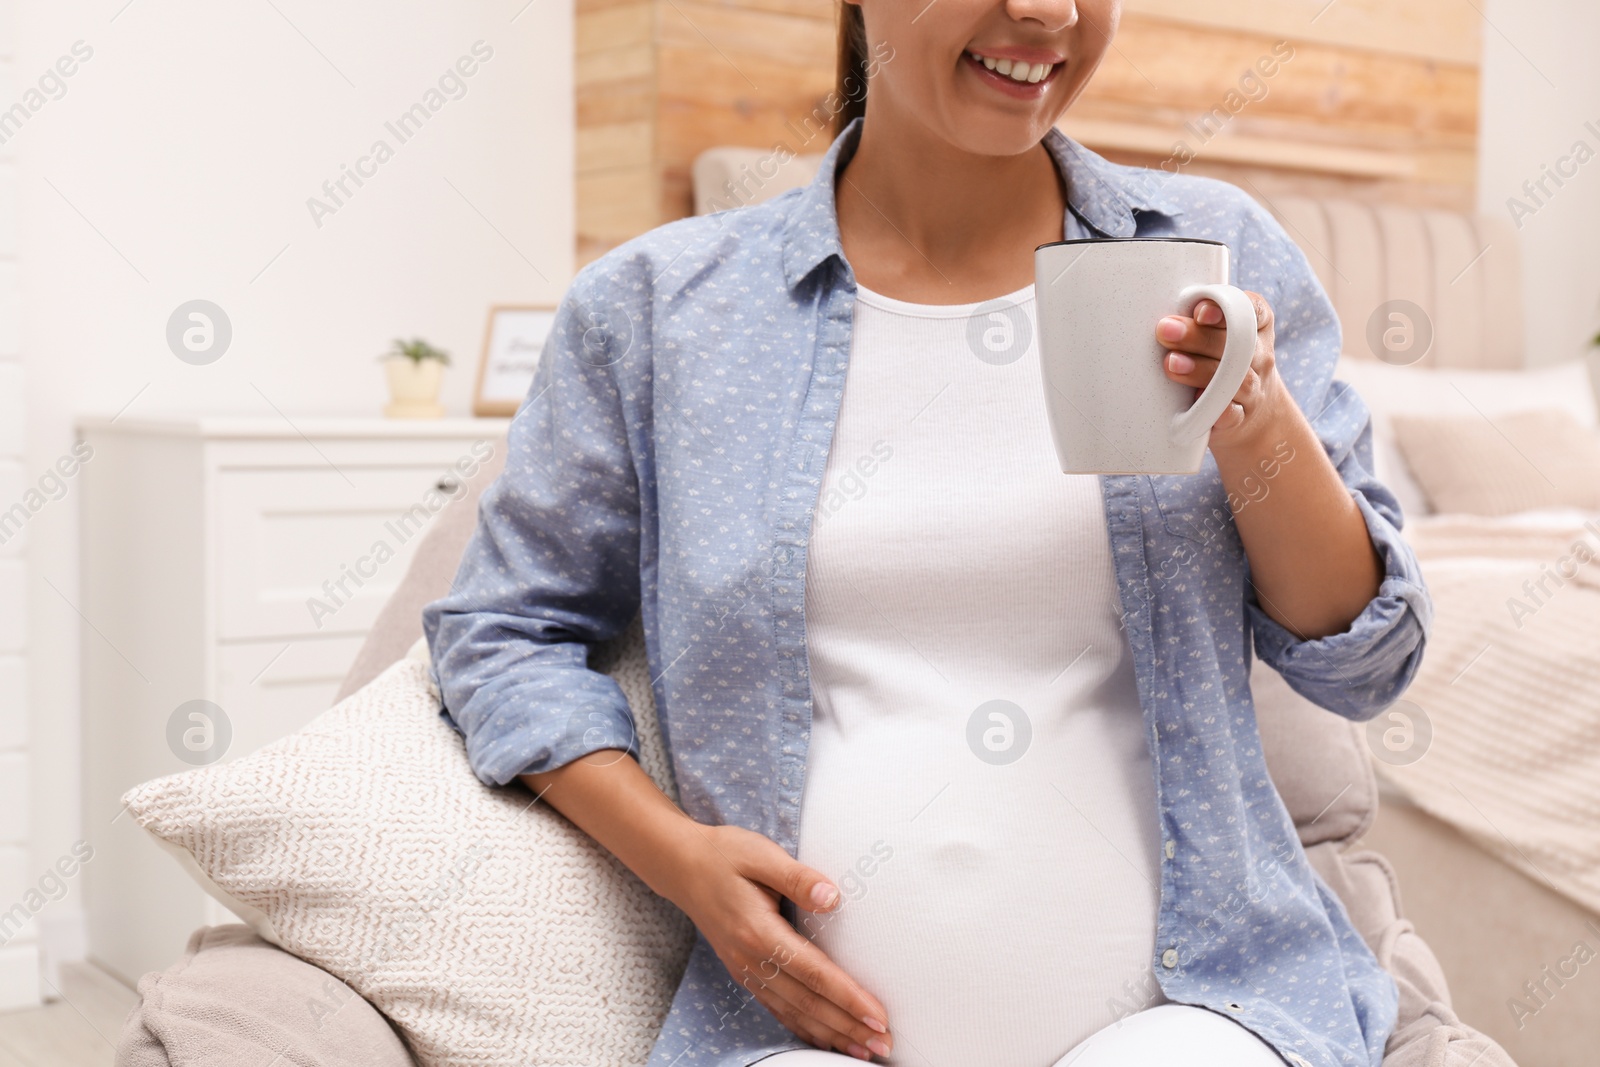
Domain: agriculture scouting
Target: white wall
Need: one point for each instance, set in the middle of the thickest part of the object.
(177, 165)
(19, 967)
(1541, 95)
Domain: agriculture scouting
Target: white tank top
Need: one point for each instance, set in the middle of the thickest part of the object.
(978, 781)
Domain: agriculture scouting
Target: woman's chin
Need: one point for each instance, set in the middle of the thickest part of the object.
(987, 130)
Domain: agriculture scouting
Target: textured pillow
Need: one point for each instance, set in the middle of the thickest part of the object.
(1476, 465)
(488, 928)
(1392, 391)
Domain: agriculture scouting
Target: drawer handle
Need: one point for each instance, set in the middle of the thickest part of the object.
(448, 486)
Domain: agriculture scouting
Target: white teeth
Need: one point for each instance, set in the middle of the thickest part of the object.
(1016, 71)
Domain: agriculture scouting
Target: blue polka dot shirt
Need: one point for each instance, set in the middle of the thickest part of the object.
(668, 459)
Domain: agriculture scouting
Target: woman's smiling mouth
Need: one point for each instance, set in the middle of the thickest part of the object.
(1022, 77)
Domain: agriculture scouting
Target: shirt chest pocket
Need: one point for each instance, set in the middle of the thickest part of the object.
(1195, 509)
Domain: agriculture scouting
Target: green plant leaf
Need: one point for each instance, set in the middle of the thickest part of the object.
(416, 350)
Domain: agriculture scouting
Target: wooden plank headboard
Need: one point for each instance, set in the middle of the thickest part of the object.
(1374, 100)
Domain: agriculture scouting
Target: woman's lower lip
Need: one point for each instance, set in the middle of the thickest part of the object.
(1009, 85)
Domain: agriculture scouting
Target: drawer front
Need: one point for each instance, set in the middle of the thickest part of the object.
(316, 551)
(270, 689)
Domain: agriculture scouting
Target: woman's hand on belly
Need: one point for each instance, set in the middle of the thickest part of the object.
(731, 883)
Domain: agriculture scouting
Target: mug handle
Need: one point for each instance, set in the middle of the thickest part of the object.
(1240, 316)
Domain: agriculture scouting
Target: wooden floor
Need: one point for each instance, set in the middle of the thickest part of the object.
(78, 1030)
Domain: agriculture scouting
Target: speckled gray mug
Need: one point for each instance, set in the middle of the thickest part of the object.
(1112, 408)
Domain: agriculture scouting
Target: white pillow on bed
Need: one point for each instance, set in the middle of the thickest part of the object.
(1390, 390)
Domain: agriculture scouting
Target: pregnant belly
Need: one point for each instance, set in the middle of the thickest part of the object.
(1002, 914)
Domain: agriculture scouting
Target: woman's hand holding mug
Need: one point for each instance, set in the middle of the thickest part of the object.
(1113, 409)
(1194, 346)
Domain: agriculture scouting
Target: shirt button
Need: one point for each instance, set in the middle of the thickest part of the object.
(1169, 958)
(1235, 1006)
(1172, 849)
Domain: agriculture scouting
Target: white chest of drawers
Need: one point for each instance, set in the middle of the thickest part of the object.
(238, 561)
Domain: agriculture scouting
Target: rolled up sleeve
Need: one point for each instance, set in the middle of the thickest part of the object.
(552, 568)
(1366, 667)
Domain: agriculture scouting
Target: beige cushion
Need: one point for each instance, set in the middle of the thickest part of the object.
(488, 928)
(1318, 760)
(1478, 465)
(234, 999)
(1427, 1032)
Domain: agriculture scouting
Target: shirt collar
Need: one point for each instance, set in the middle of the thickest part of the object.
(1101, 193)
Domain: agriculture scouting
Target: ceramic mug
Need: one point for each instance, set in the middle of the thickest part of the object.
(1111, 406)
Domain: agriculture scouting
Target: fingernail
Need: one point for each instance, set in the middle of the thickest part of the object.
(877, 1046)
(1169, 329)
(823, 894)
(875, 1024)
(1180, 363)
(1209, 315)
(858, 1052)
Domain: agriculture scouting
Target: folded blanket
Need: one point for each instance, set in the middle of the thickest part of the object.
(1510, 686)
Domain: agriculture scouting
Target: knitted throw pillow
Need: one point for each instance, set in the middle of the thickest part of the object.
(488, 928)
(1524, 461)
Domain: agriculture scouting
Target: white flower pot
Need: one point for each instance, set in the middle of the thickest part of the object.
(414, 388)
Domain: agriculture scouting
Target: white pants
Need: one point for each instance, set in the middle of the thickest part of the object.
(1167, 1035)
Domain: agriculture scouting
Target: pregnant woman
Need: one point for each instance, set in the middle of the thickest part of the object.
(968, 765)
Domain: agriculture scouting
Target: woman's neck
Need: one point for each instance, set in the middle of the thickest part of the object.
(924, 221)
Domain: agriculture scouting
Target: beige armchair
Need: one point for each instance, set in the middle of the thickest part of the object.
(1318, 760)
(233, 992)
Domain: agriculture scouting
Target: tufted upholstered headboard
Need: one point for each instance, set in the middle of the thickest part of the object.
(1463, 271)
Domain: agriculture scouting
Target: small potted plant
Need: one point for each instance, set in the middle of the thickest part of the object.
(416, 370)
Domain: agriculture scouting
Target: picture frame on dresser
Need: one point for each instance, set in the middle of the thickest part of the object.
(513, 341)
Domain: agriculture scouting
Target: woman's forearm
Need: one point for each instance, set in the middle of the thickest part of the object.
(1312, 560)
(608, 795)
